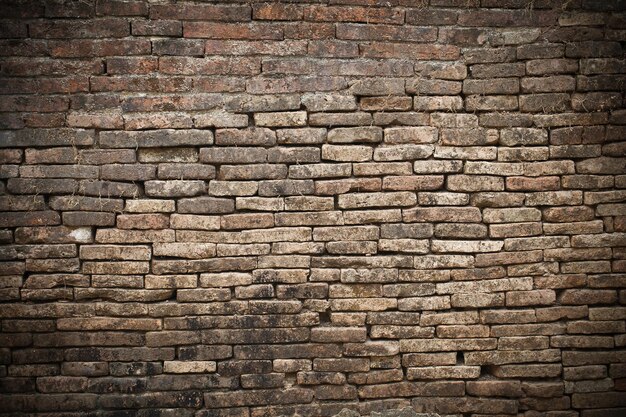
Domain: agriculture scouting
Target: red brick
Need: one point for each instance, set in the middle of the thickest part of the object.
(276, 11)
(249, 31)
(507, 18)
(401, 50)
(353, 14)
(385, 32)
(200, 12)
(98, 48)
(121, 8)
(157, 28)
(54, 29)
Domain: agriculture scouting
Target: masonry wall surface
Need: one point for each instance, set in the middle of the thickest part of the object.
(224, 209)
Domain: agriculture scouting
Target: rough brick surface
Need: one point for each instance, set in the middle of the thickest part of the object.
(262, 208)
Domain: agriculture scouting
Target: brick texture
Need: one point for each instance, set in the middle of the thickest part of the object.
(264, 208)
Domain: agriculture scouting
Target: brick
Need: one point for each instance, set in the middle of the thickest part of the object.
(252, 172)
(452, 214)
(498, 70)
(174, 171)
(402, 152)
(328, 102)
(403, 245)
(466, 152)
(353, 14)
(532, 184)
(47, 137)
(316, 378)
(174, 188)
(258, 397)
(260, 203)
(447, 372)
(555, 83)
(309, 219)
(536, 169)
(81, 29)
(545, 102)
(285, 187)
(430, 167)
(190, 221)
(178, 46)
(361, 67)
(376, 87)
(143, 221)
(463, 36)
(278, 102)
(602, 165)
(347, 153)
(174, 65)
(349, 247)
(465, 246)
(432, 87)
(419, 182)
(410, 389)
(384, 32)
(551, 66)
(225, 279)
(189, 367)
(468, 137)
(398, 50)
(157, 138)
(523, 136)
(576, 296)
(276, 12)
(438, 103)
(220, 119)
(229, 155)
(402, 135)
(401, 118)
(184, 250)
(232, 188)
(290, 84)
(214, 30)
(280, 119)
(338, 334)
(491, 103)
(386, 103)
(539, 153)
(355, 135)
(443, 199)
(491, 86)
(301, 136)
(591, 49)
(554, 198)
(308, 203)
(253, 136)
(156, 28)
(206, 205)
(247, 221)
(340, 119)
(475, 183)
(240, 47)
(377, 200)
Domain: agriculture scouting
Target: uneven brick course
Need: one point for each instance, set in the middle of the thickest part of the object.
(263, 208)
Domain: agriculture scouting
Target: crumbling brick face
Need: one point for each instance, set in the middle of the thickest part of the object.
(257, 208)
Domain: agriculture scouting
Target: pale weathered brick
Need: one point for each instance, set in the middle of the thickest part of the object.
(355, 135)
(399, 135)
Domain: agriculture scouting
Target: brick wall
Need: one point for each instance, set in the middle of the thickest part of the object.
(224, 209)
